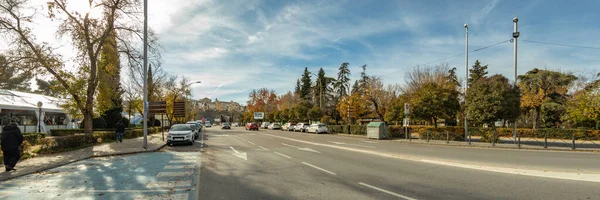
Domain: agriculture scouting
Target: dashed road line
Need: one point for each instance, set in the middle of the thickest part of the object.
(283, 155)
(263, 148)
(370, 142)
(386, 191)
(319, 168)
(284, 144)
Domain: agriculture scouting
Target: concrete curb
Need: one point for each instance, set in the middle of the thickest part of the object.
(474, 146)
(80, 159)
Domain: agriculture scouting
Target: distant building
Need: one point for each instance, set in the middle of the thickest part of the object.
(208, 104)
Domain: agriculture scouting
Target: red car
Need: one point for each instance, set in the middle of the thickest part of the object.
(252, 126)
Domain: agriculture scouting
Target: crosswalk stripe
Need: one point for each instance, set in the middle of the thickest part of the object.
(169, 184)
(179, 167)
(170, 174)
(163, 196)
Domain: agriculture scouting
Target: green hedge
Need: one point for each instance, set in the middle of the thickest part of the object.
(354, 129)
(71, 141)
(65, 132)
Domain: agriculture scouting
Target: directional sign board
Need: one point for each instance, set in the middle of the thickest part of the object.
(406, 109)
(259, 115)
(157, 107)
(179, 109)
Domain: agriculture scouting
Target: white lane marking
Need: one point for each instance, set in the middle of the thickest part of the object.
(163, 196)
(179, 167)
(220, 135)
(318, 168)
(299, 148)
(353, 144)
(284, 144)
(170, 174)
(181, 161)
(263, 148)
(358, 145)
(527, 172)
(370, 142)
(240, 155)
(169, 184)
(283, 155)
(251, 142)
(391, 193)
(544, 174)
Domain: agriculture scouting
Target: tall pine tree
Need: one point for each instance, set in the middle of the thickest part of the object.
(297, 89)
(109, 102)
(476, 72)
(343, 81)
(306, 85)
(321, 89)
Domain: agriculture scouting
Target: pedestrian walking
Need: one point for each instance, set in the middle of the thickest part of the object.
(11, 143)
(120, 130)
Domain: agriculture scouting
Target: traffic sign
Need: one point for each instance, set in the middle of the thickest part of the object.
(157, 107)
(179, 109)
(406, 109)
(259, 115)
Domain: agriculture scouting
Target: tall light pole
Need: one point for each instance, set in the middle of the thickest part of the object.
(146, 74)
(515, 36)
(466, 80)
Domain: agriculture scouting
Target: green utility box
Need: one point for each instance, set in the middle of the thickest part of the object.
(377, 130)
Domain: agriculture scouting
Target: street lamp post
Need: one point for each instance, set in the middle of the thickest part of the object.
(466, 81)
(515, 36)
(146, 106)
(40, 121)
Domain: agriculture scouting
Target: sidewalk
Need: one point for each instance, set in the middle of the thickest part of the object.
(44, 162)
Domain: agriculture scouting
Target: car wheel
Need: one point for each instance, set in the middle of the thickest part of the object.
(169, 144)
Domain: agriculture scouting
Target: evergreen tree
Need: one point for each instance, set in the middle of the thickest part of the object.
(355, 87)
(297, 89)
(109, 102)
(476, 72)
(321, 88)
(306, 85)
(343, 82)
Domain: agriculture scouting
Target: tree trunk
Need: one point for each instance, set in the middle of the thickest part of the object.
(87, 123)
(536, 117)
(435, 122)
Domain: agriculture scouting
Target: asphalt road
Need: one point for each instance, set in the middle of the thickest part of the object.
(266, 164)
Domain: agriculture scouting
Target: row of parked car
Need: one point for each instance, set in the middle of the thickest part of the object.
(296, 127)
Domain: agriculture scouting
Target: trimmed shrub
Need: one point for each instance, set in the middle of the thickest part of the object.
(71, 141)
(33, 138)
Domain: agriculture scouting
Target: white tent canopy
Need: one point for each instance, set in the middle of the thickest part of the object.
(22, 101)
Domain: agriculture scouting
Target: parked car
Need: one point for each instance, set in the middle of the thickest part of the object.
(225, 126)
(196, 127)
(208, 125)
(252, 126)
(235, 124)
(291, 127)
(265, 125)
(286, 126)
(300, 127)
(181, 133)
(317, 128)
(275, 126)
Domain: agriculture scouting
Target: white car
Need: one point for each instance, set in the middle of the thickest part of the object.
(265, 125)
(300, 127)
(317, 128)
(208, 125)
(181, 133)
(288, 127)
(275, 126)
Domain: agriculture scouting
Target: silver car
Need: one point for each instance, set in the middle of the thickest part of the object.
(181, 133)
(300, 127)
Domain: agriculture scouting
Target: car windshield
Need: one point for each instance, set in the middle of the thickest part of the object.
(182, 127)
(225, 124)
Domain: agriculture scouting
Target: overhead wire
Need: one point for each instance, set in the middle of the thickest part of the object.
(450, 57)
(563, 45)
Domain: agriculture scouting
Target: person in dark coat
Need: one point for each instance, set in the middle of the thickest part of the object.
(120, 130)
(11, 143)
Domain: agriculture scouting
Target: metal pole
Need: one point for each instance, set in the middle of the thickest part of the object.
(515, 36)
(40, 121)
(162, 125)
(145, 74)
(466, 79)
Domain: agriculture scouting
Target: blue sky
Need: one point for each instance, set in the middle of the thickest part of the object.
(236, 46)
